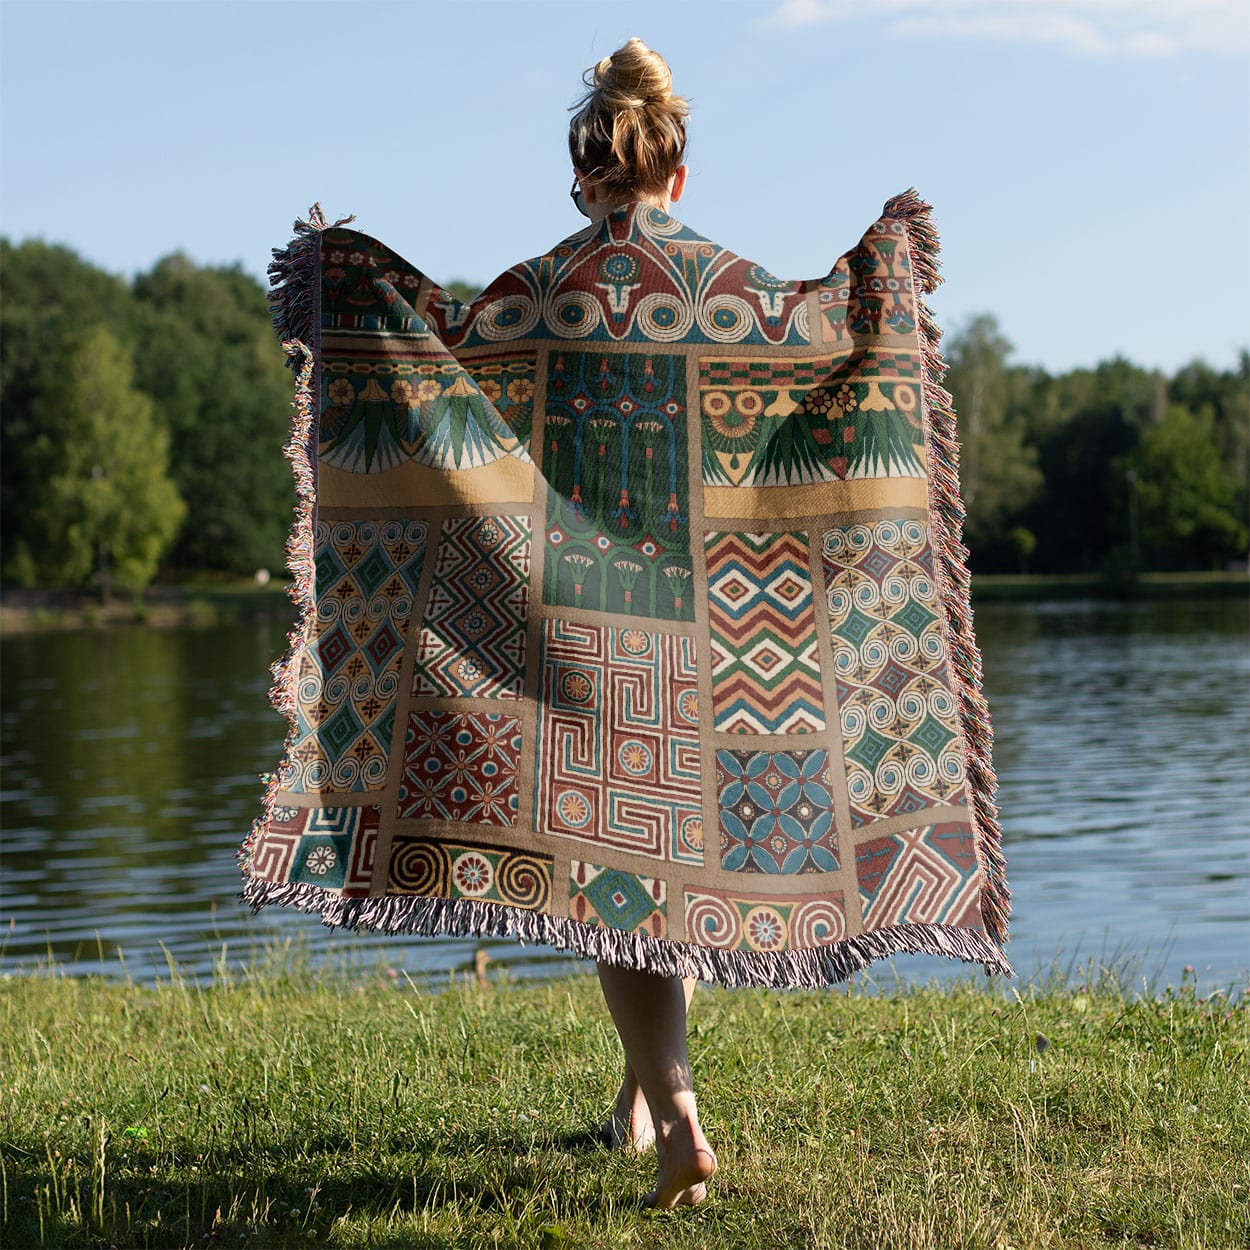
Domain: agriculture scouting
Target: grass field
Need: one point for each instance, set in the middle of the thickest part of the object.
(286, 1109)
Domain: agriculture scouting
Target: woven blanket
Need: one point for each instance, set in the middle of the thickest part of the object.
(634, 615)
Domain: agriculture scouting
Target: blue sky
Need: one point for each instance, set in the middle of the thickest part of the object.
(1088, 160)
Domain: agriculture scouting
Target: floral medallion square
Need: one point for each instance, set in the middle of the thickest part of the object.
(776, 812)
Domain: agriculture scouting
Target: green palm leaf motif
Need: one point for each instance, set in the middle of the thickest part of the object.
(878, 437)
(457, 427)
(358, 440)
(884, 449)
(857, 433)
(461, 428)
(790, 451)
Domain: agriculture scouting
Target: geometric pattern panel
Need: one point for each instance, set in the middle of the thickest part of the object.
(332, 847)
(746, 922)
(440, 868)
(618, 900)
(472, 640)
(795, 422)
(618, 507)
(898, 716)
(367, 574)
(765, 659)
(618, 740)
(776, 812)
(655, 284)
(920, 876)
(461, 766)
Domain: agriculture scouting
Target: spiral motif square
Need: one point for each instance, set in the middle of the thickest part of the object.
(761, 922)
(898, 715)
(436, 867)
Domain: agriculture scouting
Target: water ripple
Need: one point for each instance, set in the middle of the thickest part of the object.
(131, 759)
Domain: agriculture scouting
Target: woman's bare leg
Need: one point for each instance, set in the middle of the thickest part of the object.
(650, 1015)
(629, 1124)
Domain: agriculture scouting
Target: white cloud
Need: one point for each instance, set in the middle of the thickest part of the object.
(1136, 28)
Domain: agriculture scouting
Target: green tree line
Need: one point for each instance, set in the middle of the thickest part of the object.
(143, 423)
(1114, 469)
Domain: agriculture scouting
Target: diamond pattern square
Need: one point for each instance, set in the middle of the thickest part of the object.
(368, 573)
(620, 900)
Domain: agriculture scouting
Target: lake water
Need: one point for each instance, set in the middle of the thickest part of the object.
(130, 762)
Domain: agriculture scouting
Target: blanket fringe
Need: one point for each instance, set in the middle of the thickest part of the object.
(295, 280)
(947, 513)
(812, 968)
(295, 303)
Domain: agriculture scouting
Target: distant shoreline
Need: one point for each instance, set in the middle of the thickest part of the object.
(176, 605)
(1004, 587)
(202, 604)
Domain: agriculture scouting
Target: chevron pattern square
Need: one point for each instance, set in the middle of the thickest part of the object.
(765, 660)
(472, 641)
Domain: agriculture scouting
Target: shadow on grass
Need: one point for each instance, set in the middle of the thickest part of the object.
(267, 1196)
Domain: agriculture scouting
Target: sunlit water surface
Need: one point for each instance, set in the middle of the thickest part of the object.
(130, 762)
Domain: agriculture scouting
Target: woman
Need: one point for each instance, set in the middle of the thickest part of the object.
(641, 543)
(628, 144)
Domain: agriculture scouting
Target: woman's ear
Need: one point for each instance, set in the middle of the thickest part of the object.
(588, 187)
(678, 184)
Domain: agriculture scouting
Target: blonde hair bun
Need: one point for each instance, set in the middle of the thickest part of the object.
(629, 133)
(633, 77)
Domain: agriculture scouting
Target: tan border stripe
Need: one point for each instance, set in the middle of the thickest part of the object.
(751, 504)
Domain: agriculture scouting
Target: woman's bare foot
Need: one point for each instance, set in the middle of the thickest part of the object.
(686, 1165)
(629, 1125)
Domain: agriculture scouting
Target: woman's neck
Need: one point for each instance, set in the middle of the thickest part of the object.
(599, 209)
